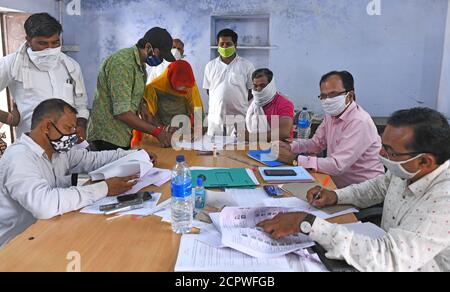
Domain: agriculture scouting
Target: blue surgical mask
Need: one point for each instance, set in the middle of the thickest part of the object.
(153, 61)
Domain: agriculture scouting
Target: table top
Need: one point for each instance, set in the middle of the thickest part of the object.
(124, 244)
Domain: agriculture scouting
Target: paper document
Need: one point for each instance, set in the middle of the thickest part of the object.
(239, 231)
(148, 206)
(136, 163)
(209, 143)
(302, 206)
(196, 256)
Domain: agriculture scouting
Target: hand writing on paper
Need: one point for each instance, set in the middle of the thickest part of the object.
(327, 198)
(283, 225)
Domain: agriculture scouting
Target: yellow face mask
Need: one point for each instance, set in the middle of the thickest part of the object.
(227, 52)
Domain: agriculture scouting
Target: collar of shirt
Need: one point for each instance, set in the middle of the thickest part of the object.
(348, 113)
(420, 187)
(28, 141)
(232, 62)
(138, 59)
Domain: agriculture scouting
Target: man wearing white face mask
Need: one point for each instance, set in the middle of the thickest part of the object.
(416, 196)
(39, 71)
(348, 133)
(267, 105)
(177, 52)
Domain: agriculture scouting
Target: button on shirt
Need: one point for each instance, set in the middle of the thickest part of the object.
(120, 89)
(353, 146)
(46, 85)
(33, 187)
(415, 216)
(228, 87)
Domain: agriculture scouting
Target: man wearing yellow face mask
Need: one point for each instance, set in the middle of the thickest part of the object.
(228, 81)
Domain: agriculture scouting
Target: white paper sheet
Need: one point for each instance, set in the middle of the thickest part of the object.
(302, 206)
(154, 176)
(208, 143)
(239, 231)
(148, 206)
(137, 163)
(195, 256)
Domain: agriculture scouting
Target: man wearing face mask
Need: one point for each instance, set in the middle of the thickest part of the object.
(177, 52)
(35, 171)
(120, 92)
(228, 82)
(267, 104)
(348, 133)
(39, 71)
(416, 197)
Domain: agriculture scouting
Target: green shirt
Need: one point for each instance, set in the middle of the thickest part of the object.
(120, 89)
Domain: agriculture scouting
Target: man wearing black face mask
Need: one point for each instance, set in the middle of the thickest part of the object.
(120, 91)
(35, 171)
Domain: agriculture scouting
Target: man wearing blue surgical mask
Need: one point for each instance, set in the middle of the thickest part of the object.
(120, 92)
(38, 71)
(35, 171)
(415, 192)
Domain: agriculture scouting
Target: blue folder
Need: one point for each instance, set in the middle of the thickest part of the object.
(257, 156)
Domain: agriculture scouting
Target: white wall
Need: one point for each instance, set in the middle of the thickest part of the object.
(32, 6)
(444, 90)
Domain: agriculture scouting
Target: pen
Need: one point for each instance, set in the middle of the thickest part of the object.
(319, 193)
(125, 209)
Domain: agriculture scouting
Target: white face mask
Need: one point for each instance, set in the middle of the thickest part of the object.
(265, 96)
(397, 169)
(45, 60)
(335, 106)
(177, 54)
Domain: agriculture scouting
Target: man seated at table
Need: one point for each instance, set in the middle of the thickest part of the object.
(35, 172)
(267, 104)
(173, 93)
(348, 133)
(416, 197)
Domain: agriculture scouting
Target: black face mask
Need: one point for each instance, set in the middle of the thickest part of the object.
(64, 143)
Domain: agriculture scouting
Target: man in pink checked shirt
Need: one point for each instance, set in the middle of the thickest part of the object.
(348, 133)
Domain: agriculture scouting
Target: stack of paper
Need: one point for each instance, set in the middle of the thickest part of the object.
(302, 175)
(302, 206)
(209, 143)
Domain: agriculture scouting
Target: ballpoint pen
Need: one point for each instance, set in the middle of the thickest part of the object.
(319, 193)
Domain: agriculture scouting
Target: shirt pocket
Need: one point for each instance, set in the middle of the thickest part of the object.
(68, 93)
(237, 79)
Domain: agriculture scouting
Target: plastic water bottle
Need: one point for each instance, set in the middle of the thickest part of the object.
(182, 203)
(200, 195)
(304, 124)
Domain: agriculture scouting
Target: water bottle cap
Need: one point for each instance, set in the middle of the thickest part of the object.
(199, 181)
(180, 159)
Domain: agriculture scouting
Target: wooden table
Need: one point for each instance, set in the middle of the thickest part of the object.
(124, 244)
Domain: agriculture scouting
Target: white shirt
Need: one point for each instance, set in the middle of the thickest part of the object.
(155, 72)
(416, 218)
(46, 85)
(228, 87)
(33, 187)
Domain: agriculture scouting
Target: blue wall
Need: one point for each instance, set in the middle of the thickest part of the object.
(396, 57)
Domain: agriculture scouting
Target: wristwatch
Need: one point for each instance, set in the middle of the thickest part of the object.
(307, 224)
(295, 162)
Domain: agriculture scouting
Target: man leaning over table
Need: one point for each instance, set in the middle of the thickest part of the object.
(416, 195)
(35, 172)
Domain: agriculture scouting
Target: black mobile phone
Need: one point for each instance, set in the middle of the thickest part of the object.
(280, 172)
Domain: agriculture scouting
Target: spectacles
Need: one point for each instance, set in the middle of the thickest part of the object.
(331, 95)
(393, 154)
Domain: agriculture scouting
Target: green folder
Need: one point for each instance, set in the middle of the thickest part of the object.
(223, 178)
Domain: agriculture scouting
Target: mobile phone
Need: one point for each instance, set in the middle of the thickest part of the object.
(273, 191)
(280, 172)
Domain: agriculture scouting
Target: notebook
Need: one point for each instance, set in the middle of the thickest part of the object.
(265, 157)
(223, 178)
(302, 175)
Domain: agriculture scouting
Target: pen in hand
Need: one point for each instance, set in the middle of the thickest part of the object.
(318, 196)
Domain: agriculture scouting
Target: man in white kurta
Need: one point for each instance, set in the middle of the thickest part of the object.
(39, 71)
